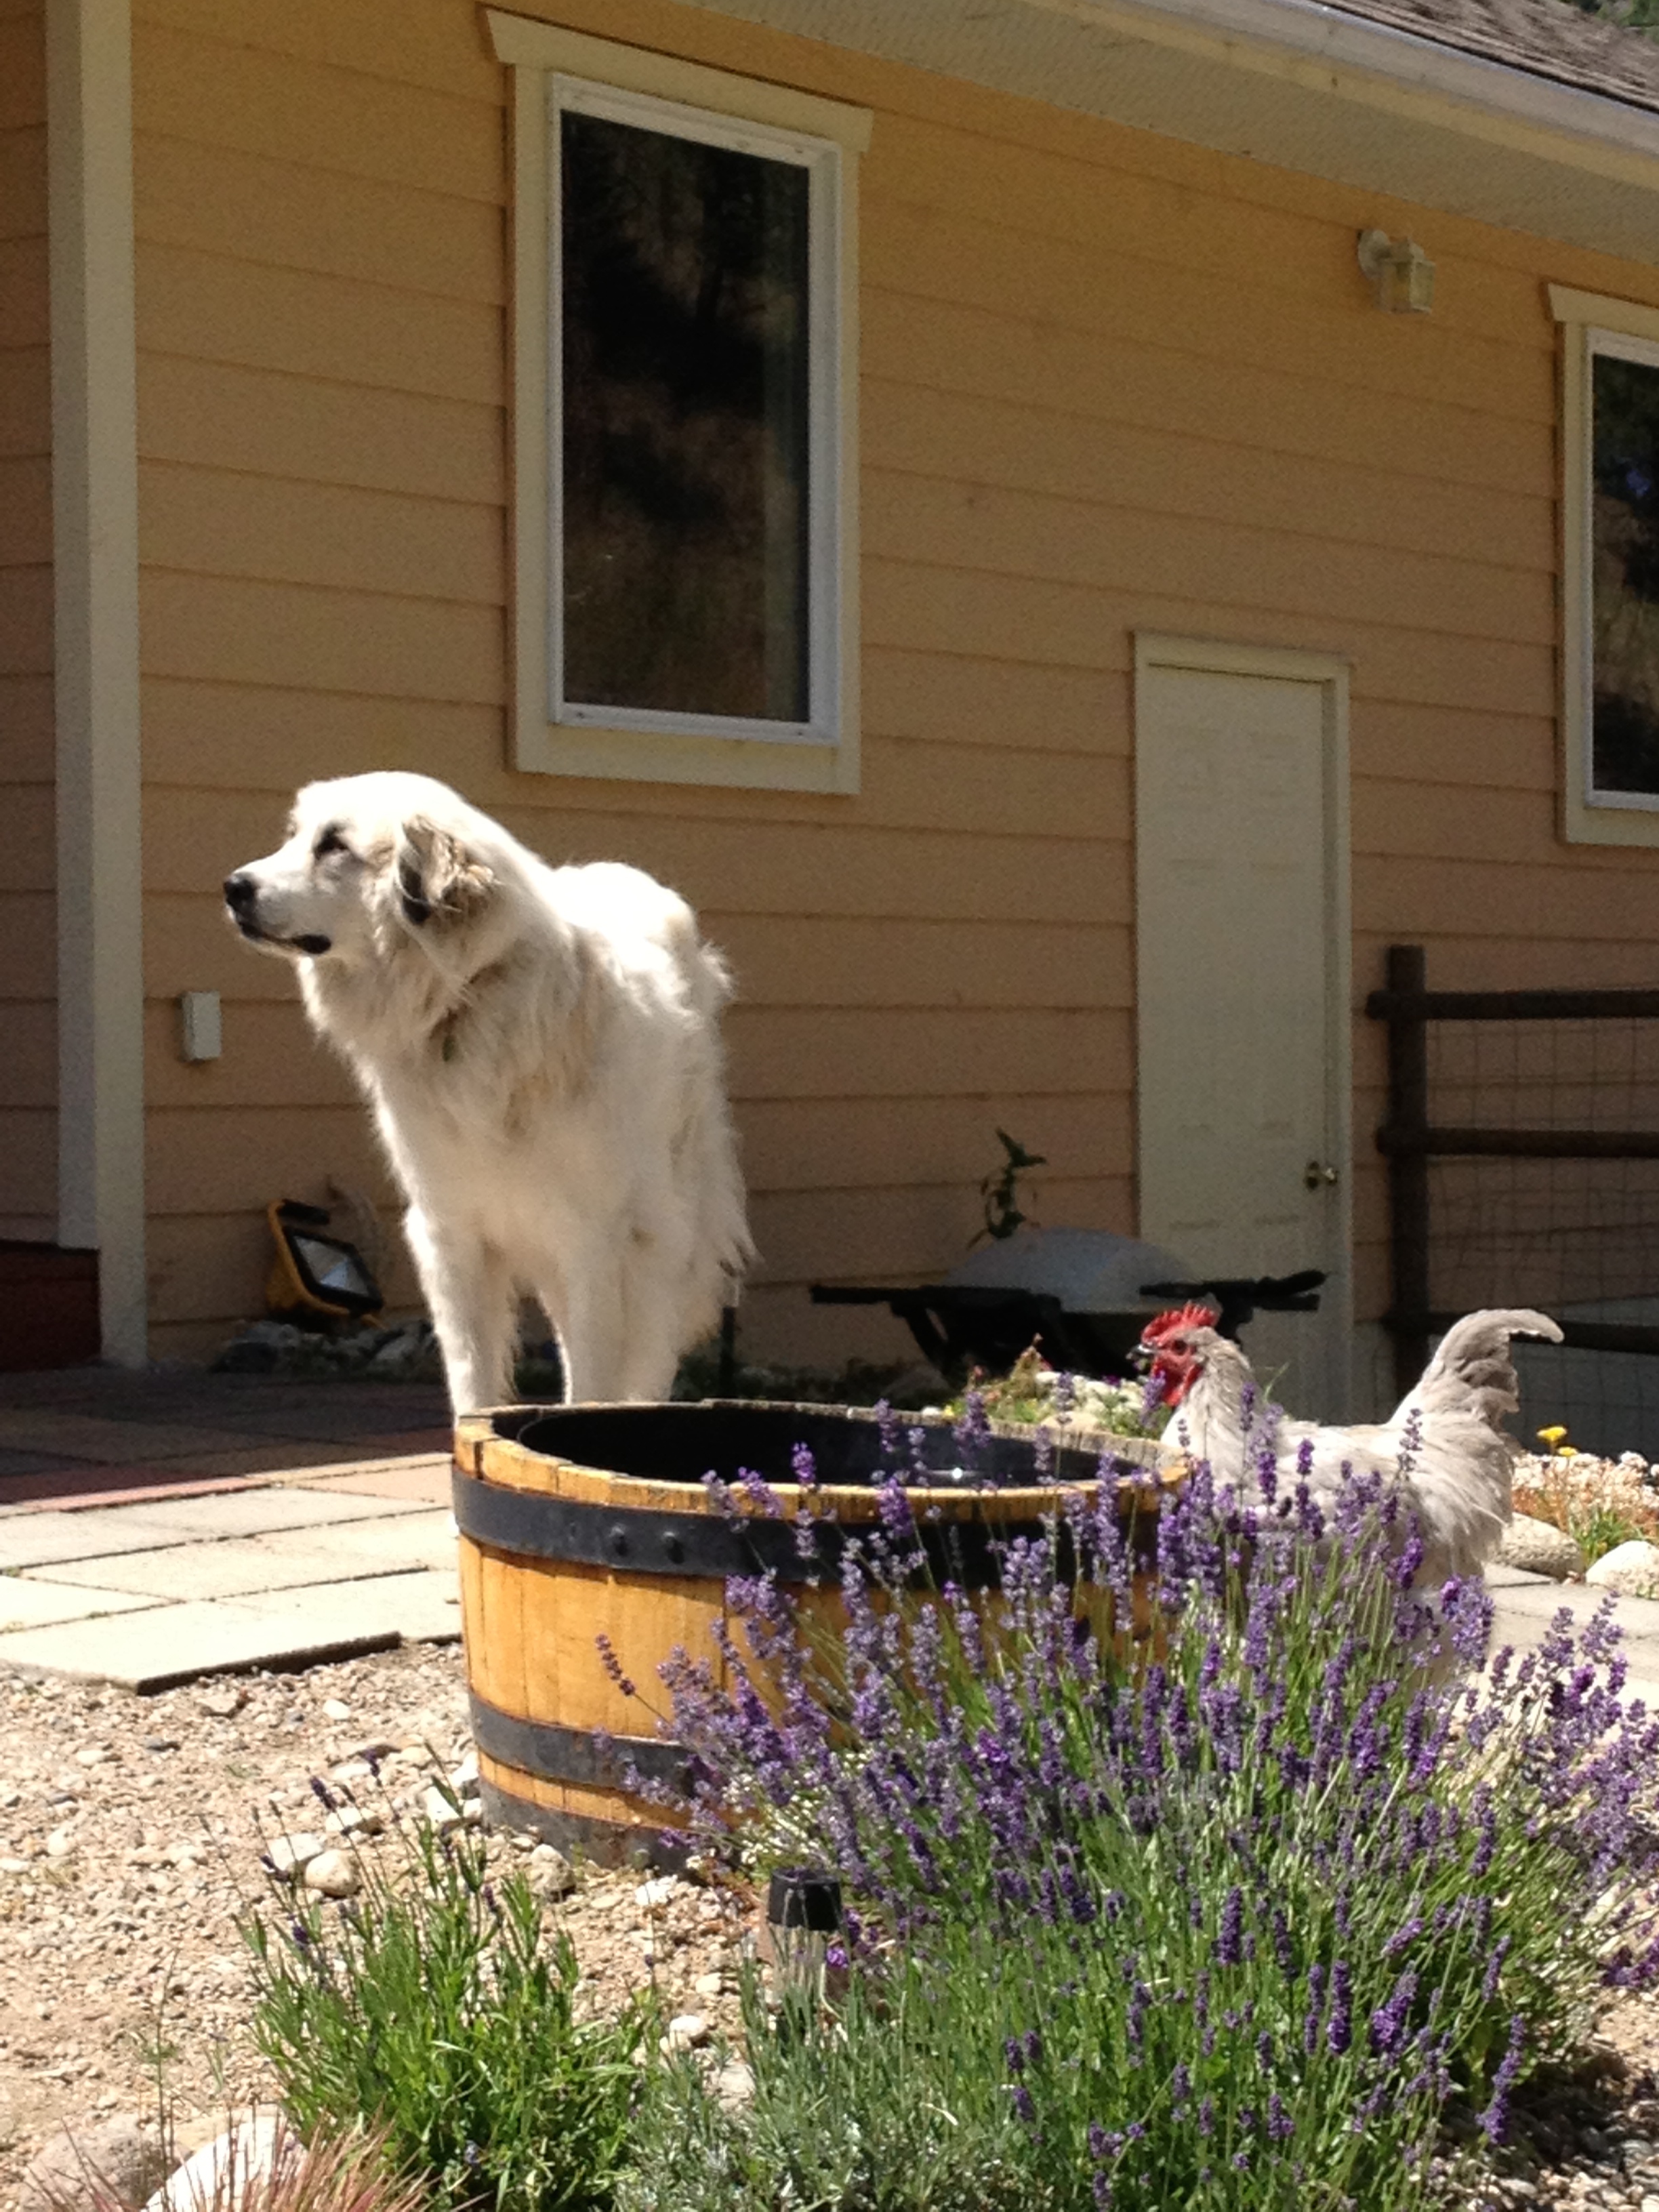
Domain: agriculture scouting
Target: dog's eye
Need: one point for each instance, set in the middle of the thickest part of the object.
(330, 841)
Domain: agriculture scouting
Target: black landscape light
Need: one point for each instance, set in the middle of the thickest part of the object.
(803, 1913)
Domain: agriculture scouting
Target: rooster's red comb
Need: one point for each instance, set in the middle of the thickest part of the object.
(1174, 1323)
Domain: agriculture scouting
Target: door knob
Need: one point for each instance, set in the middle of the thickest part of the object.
(1319, 1175)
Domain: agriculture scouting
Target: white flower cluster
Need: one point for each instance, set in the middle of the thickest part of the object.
(1596, 1500)
(1120, 1406)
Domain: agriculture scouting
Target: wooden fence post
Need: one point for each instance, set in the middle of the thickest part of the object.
(1408, 1164)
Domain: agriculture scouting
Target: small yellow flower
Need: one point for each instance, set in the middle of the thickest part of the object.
(1551, 1437)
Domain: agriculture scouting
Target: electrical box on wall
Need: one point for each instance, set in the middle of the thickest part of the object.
(200, 1030)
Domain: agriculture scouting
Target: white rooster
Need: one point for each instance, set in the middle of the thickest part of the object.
(1445, 1443)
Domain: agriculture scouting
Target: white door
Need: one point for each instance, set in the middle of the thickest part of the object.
(1242, 918)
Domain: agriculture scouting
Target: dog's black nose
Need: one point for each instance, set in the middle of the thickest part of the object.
(238, 891)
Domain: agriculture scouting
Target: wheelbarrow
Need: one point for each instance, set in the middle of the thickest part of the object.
(1104, 1290)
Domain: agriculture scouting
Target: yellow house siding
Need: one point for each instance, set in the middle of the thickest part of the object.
(1109, 383)
(29, 983)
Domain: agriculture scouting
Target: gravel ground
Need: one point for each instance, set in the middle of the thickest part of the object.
(1588, 2139)
(131, 1829)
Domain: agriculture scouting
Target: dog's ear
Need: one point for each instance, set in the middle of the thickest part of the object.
(437, 879)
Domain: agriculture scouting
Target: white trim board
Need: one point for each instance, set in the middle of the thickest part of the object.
(1591, 323)
(647, 748)
(101, 1081)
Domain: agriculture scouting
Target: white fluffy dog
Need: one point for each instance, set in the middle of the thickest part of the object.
(541, 1048)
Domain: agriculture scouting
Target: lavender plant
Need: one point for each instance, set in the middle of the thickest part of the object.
(1227, 1916)
(434, 2009)
(852, 2111)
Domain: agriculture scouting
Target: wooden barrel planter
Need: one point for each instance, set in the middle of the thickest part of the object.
(581, 1520)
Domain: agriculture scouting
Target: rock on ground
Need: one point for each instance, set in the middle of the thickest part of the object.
(333, 1873)
(230, 2171)
(1631, 1569)
(127, 2158)
(1537, 1547)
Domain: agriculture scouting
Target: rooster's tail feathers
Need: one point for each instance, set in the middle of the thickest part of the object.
(1473, 1369)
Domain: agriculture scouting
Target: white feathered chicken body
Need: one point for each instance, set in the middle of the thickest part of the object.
(1444, 1444)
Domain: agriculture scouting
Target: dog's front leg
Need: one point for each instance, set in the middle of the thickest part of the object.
(591, 1320)
(470, 1293)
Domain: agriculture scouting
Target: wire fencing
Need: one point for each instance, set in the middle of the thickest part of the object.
(1522, 1140)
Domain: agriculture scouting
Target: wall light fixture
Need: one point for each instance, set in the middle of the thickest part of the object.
(1401, 271)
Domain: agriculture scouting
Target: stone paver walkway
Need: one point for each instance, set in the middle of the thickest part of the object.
(91, 1431)
(281, 1571)
(157, 1528)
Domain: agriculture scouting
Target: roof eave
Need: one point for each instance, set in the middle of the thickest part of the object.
(1443, 73)
(1302, 86)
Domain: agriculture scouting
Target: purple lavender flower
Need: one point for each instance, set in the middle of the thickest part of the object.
(1494, 1968)
(1283, 1947)
(1229, 1943)
(973, 1430)
(1339, 2027)
(1494, 2119)
(898, 1521)
(761, 1495)
(1389, 2021)
(1404, 1935)
(887, 1428)
(612, 1666)
(721, 1496)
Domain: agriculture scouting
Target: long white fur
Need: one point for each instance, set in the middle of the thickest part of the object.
(1445, 1443)
(541, 1050)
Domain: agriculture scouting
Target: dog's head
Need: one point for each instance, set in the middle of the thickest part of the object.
(371, 862)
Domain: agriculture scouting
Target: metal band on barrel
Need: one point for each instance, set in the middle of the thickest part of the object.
(555, 1753)
(531, 1524)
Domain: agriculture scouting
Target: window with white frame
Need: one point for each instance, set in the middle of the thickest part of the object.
(1610, 716)
(683, 420)
(1624, 571)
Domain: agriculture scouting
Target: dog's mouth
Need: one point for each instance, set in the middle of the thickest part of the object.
(310, 946)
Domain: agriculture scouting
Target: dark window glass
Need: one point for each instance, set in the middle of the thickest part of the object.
(685, 429)
(1625, 555)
